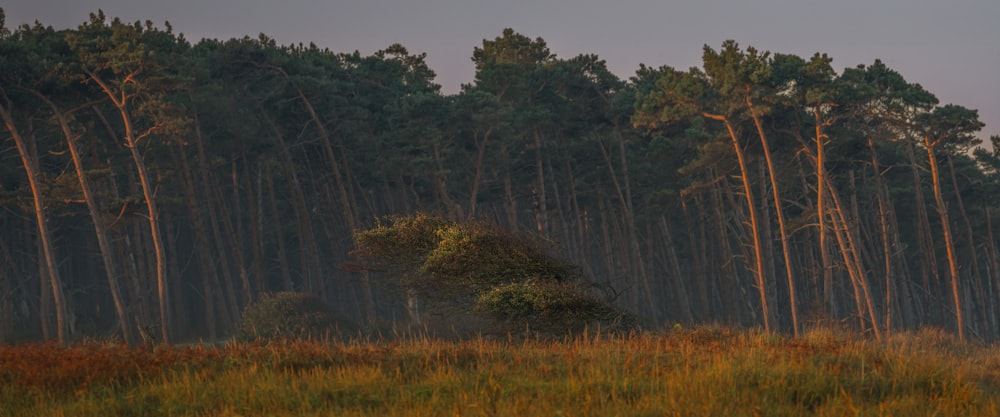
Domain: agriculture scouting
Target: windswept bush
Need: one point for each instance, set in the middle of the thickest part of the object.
(399, 245)
(475, 257)
(552, 308)
(479, 268)
(441, 258)
(292, 315)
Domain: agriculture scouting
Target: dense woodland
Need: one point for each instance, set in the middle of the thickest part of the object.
(151, 187)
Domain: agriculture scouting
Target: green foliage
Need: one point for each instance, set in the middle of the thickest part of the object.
(478, 267)
(398, 244)
(551, 307)
(474, 257)
(440, 256)
(291, 315)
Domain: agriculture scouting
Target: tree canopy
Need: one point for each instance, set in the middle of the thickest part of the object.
(151, 183)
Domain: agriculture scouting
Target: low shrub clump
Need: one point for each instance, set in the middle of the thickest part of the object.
(553, 308)
(291, 315)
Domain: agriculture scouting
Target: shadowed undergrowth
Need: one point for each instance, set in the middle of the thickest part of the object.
(697, 372)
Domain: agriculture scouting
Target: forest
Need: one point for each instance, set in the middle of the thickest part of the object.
(150, 185)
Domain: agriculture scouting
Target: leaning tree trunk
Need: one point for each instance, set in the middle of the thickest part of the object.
(628, 218)
(754, 226)
(779, 212)
(122, 104)
(847, 239)
(977, 277)
(103, 242)
(542, 205)
(480, 166)
(949, 244)
(883, 217)
(994, 264)
(308, 248)
(824, 254)
(929, 268)
(34, 178)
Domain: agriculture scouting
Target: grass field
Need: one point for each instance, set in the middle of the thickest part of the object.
(685, 372)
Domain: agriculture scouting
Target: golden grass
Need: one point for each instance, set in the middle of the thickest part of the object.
(697, 372)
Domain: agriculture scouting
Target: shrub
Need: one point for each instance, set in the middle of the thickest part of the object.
(474, 257)
(455, 260)
(551, 308)
(398, 245)
(291, 315)
(460, 268)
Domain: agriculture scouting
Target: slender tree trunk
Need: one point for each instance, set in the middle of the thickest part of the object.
(766, 232)
(103, 241)
(215, 209)
(127, 250)
(824, 253)
(45, 292)
(779, 212)
(180, 306)
(635, 251)
(738, 228)
(755, 229)
(508, 189)
(680, 292)
(542, 209)
(254, 193)
(342, 186)
(977, 277)
(480, 166)
(731, 298)
(580, 224)
(131, 139)
(453, 209)
(949, 245)
(48, 252)
(815, 294)
(307, 239)
(994, 261)
(700, 251)
(286, 275)
(6, 293)
(929, 270)
(848, 242)
(203, 251)
(234, 242)
(610, 267)
(885, 232)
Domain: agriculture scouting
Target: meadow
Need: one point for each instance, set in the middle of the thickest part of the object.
(709, 371)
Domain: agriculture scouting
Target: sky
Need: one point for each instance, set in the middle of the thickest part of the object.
(951, 48)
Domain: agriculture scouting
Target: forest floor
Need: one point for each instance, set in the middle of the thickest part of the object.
(708, 371)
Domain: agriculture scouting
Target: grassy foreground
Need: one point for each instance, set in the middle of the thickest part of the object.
(701, 372)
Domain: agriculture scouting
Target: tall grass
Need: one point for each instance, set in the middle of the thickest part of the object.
(697, 372)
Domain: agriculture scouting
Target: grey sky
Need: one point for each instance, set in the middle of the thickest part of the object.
(951, 47)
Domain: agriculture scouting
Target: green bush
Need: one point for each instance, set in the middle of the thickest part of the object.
(455, 260)
(398, 245)
(291, 315)
(552, 308)
(461, 268)
(475, 257)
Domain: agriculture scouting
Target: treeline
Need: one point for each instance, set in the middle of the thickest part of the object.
(152, 188)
